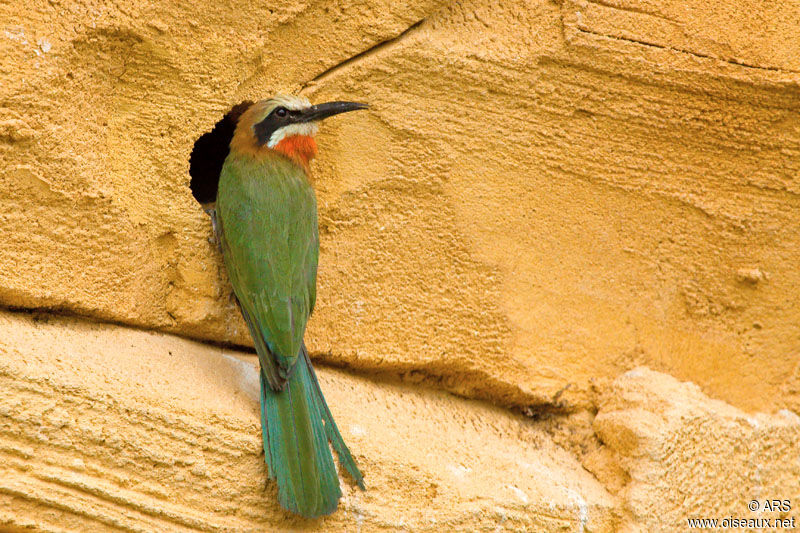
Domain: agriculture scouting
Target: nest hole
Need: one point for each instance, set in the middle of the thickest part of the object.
(209, 153)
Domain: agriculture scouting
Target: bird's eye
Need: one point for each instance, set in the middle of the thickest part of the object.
(281, 112)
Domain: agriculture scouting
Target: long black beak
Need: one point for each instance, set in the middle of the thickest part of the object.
(322, 111)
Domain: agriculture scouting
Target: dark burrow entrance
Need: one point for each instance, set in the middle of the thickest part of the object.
(209, 153)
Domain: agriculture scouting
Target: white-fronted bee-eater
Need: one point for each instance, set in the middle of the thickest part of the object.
(265, 219)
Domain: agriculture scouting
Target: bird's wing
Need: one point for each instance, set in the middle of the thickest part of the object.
(268, 221)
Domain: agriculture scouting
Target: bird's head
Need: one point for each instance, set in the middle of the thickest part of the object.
(286, 124)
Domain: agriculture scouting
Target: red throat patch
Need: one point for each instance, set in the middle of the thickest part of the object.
(299, 148)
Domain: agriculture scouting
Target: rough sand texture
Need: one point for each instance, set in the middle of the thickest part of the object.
(107, 428)
(542, 193)
(103, 428)
(543, 196)
(685, 455)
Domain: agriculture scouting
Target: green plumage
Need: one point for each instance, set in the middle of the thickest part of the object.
(267, 217)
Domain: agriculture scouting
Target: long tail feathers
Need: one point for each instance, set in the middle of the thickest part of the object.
(332, 429)
(296, 444)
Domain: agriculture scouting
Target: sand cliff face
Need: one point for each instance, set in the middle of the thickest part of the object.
(543, 196)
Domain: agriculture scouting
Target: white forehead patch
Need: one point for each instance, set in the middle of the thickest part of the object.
(290, 101)
(303, 128)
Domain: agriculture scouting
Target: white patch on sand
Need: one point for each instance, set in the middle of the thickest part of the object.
(459, 471)
(583, 508)
(519, 494)
(357, 431)
(247, 376)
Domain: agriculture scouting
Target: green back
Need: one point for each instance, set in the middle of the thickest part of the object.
(268, 223)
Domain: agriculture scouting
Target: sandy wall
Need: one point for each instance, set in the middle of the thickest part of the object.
(543, 196)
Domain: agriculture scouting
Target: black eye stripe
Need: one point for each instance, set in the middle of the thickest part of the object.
(277, 118)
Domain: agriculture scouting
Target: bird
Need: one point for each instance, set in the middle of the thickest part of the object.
(263, 209)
